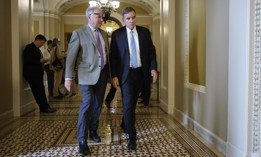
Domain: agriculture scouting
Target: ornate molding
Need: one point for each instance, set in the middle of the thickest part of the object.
(188, 84)
(257, 77)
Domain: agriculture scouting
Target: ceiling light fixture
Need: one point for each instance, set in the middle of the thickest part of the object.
(109, 29)
(107, 7)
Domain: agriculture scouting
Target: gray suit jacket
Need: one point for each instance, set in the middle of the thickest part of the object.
(83, 53)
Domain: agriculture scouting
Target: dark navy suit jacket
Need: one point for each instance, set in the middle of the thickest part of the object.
(120, 55)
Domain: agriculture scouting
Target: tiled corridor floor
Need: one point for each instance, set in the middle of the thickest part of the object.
(54, 134)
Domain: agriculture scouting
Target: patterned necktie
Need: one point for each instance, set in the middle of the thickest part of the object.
(99, 45)
(133, 51)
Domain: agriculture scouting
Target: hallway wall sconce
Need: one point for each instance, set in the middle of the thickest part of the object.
(107, 7)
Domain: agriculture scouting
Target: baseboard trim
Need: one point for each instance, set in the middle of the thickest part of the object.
(29, 107)
(218, 143)
(232, 151)
(163, 106)
(6, 117)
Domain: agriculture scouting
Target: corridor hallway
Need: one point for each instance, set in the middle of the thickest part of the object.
(54, 135)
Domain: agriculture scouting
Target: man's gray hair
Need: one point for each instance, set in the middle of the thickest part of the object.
(90, 10)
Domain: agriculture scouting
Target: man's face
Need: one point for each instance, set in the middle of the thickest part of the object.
(39, 43)
(50, 46)
(95, 19)
(130, 19)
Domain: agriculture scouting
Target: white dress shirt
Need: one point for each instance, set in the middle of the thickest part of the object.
(47, 55)
(136, 38)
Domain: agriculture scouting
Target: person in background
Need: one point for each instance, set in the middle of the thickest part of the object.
(89, 48)
(33, 72)
(133, 58)
(48, 71)
(58, 73)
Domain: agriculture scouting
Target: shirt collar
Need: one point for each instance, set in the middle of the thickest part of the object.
(129, 30)
(91, 27)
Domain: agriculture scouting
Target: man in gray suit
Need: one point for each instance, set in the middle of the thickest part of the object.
(88, 50)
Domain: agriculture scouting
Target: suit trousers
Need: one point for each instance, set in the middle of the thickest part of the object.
(37, 87)
(130, 91)
(58, 75)
(50, 79)
(90, 109)
(145, 92)
(111, 94)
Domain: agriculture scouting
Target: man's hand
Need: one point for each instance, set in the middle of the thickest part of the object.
(115, 82)
(67, 84)
(154, 75)
(43, 60)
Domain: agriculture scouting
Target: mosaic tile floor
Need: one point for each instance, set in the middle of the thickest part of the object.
(54, 135)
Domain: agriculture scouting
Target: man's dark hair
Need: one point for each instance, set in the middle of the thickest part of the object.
(55, 41)
(40, 37)
(49, 42)
(127, 10)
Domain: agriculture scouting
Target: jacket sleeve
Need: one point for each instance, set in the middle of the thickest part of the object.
(113, 55)
(72, 53)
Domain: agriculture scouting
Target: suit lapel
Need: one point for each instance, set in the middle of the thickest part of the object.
(89, 33)
(140, 36)
(105, 41)
(125, 38)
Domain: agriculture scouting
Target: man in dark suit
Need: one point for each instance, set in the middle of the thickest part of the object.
(88, 50)
(133, 57)
(33, 72)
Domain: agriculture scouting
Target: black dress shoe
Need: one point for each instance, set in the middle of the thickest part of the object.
(132, 143)
(83, 148)
(58, 97)
(95, 137)
(48, 110)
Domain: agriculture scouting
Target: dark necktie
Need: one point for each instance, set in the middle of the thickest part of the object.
(133, 51)
(99, 45)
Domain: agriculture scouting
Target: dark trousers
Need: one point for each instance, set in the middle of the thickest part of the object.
(130, 91)
(90, 109)
(145, 92)
(50, 79)
(37, 87)
(111, 94)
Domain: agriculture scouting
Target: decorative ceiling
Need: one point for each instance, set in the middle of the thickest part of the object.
(61, 7)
